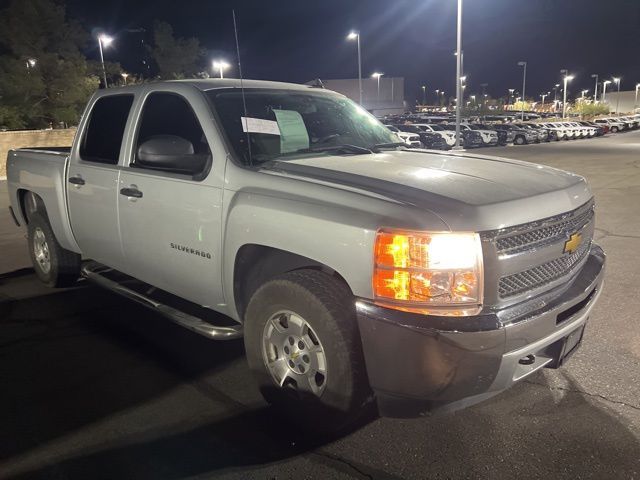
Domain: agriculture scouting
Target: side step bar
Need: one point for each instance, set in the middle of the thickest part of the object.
(93, 272)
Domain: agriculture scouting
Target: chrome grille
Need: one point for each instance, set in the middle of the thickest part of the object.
(542, 274)
(543, 232)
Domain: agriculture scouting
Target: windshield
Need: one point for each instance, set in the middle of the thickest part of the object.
(286, 123)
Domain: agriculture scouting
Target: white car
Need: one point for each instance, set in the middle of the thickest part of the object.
(614, 126)
(589, 131)
(562, 132)
(411, 139)
(448, 135)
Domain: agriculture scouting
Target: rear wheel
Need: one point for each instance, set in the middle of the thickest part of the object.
(54, 266)
(519, 140)
(303, 346)
(614, 129)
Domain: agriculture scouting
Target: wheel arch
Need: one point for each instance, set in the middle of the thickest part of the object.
(255, 264)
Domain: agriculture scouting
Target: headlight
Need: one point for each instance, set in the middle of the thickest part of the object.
(431, 273)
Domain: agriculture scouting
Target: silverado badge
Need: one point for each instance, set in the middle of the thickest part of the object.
(573, 243)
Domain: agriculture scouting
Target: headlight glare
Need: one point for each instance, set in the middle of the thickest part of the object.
(428, 272)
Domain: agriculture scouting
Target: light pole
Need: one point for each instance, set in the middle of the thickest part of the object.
(356, 36)
(220, 65)
(604, 89)
(595, 90)
(31, 62)
(124, 77)
(566, 79)
(635, 104)
(458, 75)
(377, 75)
(543, 95)
(424, 94)
(103, 42)
(616, 80)
(524, 82)
(511, 90)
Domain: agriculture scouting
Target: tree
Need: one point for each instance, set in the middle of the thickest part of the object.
(175, 57)
(44, 77)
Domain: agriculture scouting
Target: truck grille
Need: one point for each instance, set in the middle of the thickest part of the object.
(542, 274)
(544, 232)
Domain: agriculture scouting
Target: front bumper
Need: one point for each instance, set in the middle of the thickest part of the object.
(419, 363)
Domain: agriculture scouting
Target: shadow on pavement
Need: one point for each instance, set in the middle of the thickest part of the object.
(88, 356)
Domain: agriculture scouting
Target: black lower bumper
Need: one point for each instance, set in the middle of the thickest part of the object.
(418, 363)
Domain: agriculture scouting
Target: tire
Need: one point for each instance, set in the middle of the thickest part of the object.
(327, 307)
(519, 140)
(63, 266)
(614, 129)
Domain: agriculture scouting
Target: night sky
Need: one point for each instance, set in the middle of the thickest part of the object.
(299, 40)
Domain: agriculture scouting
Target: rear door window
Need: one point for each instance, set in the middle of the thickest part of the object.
(104, 132)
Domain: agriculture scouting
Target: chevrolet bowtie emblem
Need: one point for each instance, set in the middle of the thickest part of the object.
(573, 243)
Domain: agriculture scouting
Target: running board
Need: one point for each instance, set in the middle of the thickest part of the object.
(94, 272)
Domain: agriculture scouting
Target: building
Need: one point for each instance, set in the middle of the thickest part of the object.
(627, 101)
(389, 99)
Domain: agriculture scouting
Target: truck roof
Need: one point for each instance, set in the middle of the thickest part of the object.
(213, 83)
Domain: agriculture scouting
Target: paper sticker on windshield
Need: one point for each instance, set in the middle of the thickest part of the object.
(293, 133)
(258, 125)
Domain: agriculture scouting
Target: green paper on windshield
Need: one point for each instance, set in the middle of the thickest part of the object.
(293, 133)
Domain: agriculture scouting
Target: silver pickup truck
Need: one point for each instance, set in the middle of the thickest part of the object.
(359, 272)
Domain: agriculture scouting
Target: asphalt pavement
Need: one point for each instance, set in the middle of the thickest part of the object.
(94, 386)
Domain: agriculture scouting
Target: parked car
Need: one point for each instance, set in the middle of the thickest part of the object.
(448, 135)
(471, 138)
(505, 137)
(426, 137)
(522, 136)
(489, 136)
(562, 132)
(631, 121)
(434, 141)
(540, 135)
(600, 128)
(360, 273)
(614, 125)
(411, 139)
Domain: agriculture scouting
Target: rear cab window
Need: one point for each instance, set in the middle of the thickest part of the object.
(104, 132)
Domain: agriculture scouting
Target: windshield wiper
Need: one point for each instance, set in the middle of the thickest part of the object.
(378, 146)
(347, 148)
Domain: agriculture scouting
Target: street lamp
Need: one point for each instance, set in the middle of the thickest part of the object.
(459, 73)
(524, 82)
(424, 94)
(103, 42)
(604, 89)
(356, 36)
(566, 79)
(617, 82)
(583, 92)
(124, 77)
(543, 95)
(511, 90)
(635, 104)
(220, 65)
(31, 62)
(595, 90)
(377, 75)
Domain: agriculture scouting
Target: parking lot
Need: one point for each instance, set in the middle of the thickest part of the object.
(94, 386)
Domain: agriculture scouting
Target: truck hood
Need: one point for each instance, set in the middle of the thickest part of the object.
(467, 191)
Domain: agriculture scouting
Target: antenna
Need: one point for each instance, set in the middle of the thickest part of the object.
(244, 102)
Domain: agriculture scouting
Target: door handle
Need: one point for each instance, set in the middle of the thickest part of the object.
(131, 192)
(76, 180)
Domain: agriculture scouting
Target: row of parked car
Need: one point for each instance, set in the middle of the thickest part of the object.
(441, 134)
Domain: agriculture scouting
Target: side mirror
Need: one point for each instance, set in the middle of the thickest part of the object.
(170, 153)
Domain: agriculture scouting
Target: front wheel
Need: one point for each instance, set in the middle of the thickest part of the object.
(303, 346)
(614, 129)
(519, 140)
(54, 266)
